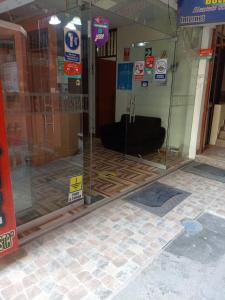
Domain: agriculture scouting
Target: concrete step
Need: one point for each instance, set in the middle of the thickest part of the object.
(220, 143)
(222, 135)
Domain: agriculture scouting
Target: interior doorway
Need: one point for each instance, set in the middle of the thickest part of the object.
(105, 92)
(213, 125)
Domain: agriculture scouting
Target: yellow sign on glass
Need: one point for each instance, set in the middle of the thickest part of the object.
(76, 184)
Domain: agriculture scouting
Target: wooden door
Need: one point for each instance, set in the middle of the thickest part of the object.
(105, 92)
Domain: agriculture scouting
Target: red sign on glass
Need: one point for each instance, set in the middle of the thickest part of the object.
(149, 62)
(126, 54)
(206, 53)
(72, 69)
(8, 238)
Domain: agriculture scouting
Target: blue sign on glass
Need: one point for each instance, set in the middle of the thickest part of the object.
(72, 40)
(125, 76)
(74, 57)
(200, 12)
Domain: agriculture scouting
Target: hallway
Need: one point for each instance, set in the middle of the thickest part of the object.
(98, 255)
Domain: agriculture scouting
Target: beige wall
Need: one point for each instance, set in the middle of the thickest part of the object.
(151, 101)
(218, 121)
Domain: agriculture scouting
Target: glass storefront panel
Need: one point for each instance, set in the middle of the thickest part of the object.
(51, 119)
(150, 99)
(183, 93)
(47, 113)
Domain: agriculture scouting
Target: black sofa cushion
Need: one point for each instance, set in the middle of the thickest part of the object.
(140, 137)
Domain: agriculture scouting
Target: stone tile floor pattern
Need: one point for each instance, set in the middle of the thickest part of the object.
(99, 254)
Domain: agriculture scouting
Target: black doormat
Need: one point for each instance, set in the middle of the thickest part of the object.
(206, 171)
(158, 198)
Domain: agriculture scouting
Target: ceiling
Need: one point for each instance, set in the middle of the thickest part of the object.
(152, 13)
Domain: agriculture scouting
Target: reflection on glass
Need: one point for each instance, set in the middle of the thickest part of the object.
(46, 113)
(183, 93)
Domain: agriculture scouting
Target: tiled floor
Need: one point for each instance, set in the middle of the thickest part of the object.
(99, 254)
(111, 174)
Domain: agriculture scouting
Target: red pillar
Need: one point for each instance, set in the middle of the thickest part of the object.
(8, 237)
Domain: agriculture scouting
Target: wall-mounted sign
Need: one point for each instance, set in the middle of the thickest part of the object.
(161, 70)
(100, 31)
(200, 12)
(148, 52)
(125, 76)
(72, 69)
(149, 61)
(72, 54)
(144, 83)
(139, 70)
(76, 188)
(8, 238)
(206, 54)
(126, 54)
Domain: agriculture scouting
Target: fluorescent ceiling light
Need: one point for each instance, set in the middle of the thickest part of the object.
(141, 44)
(54, 20)
(71, 26)
(76, 21)
(104, 4)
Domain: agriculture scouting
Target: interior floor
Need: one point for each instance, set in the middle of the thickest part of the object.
(111, 173)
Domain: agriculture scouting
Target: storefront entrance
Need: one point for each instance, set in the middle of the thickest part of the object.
(67, 149)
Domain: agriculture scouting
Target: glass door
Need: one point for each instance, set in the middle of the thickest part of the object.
(44, 69)
(149, 101)
(183, 94)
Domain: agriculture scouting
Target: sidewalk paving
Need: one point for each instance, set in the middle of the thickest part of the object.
(98, 255)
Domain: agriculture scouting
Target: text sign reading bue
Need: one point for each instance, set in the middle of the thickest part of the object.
(200, 12)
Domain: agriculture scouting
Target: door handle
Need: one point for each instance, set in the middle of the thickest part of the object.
(134, 107)
(130, 116)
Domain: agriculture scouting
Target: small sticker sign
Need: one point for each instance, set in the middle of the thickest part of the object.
(149, 64)
(144, 83)
(126, 54)
(139, 68)
(72, 69)
(100, 31)
(76, 184)
(76, 188)
(149, 61)
(161, 69)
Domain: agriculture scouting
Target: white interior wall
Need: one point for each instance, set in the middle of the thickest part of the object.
(147, 105)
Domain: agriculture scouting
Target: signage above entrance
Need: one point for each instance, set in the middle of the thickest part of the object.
(200, 12)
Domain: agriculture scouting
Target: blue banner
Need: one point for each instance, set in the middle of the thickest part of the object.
(125, 76)
(200, 12)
